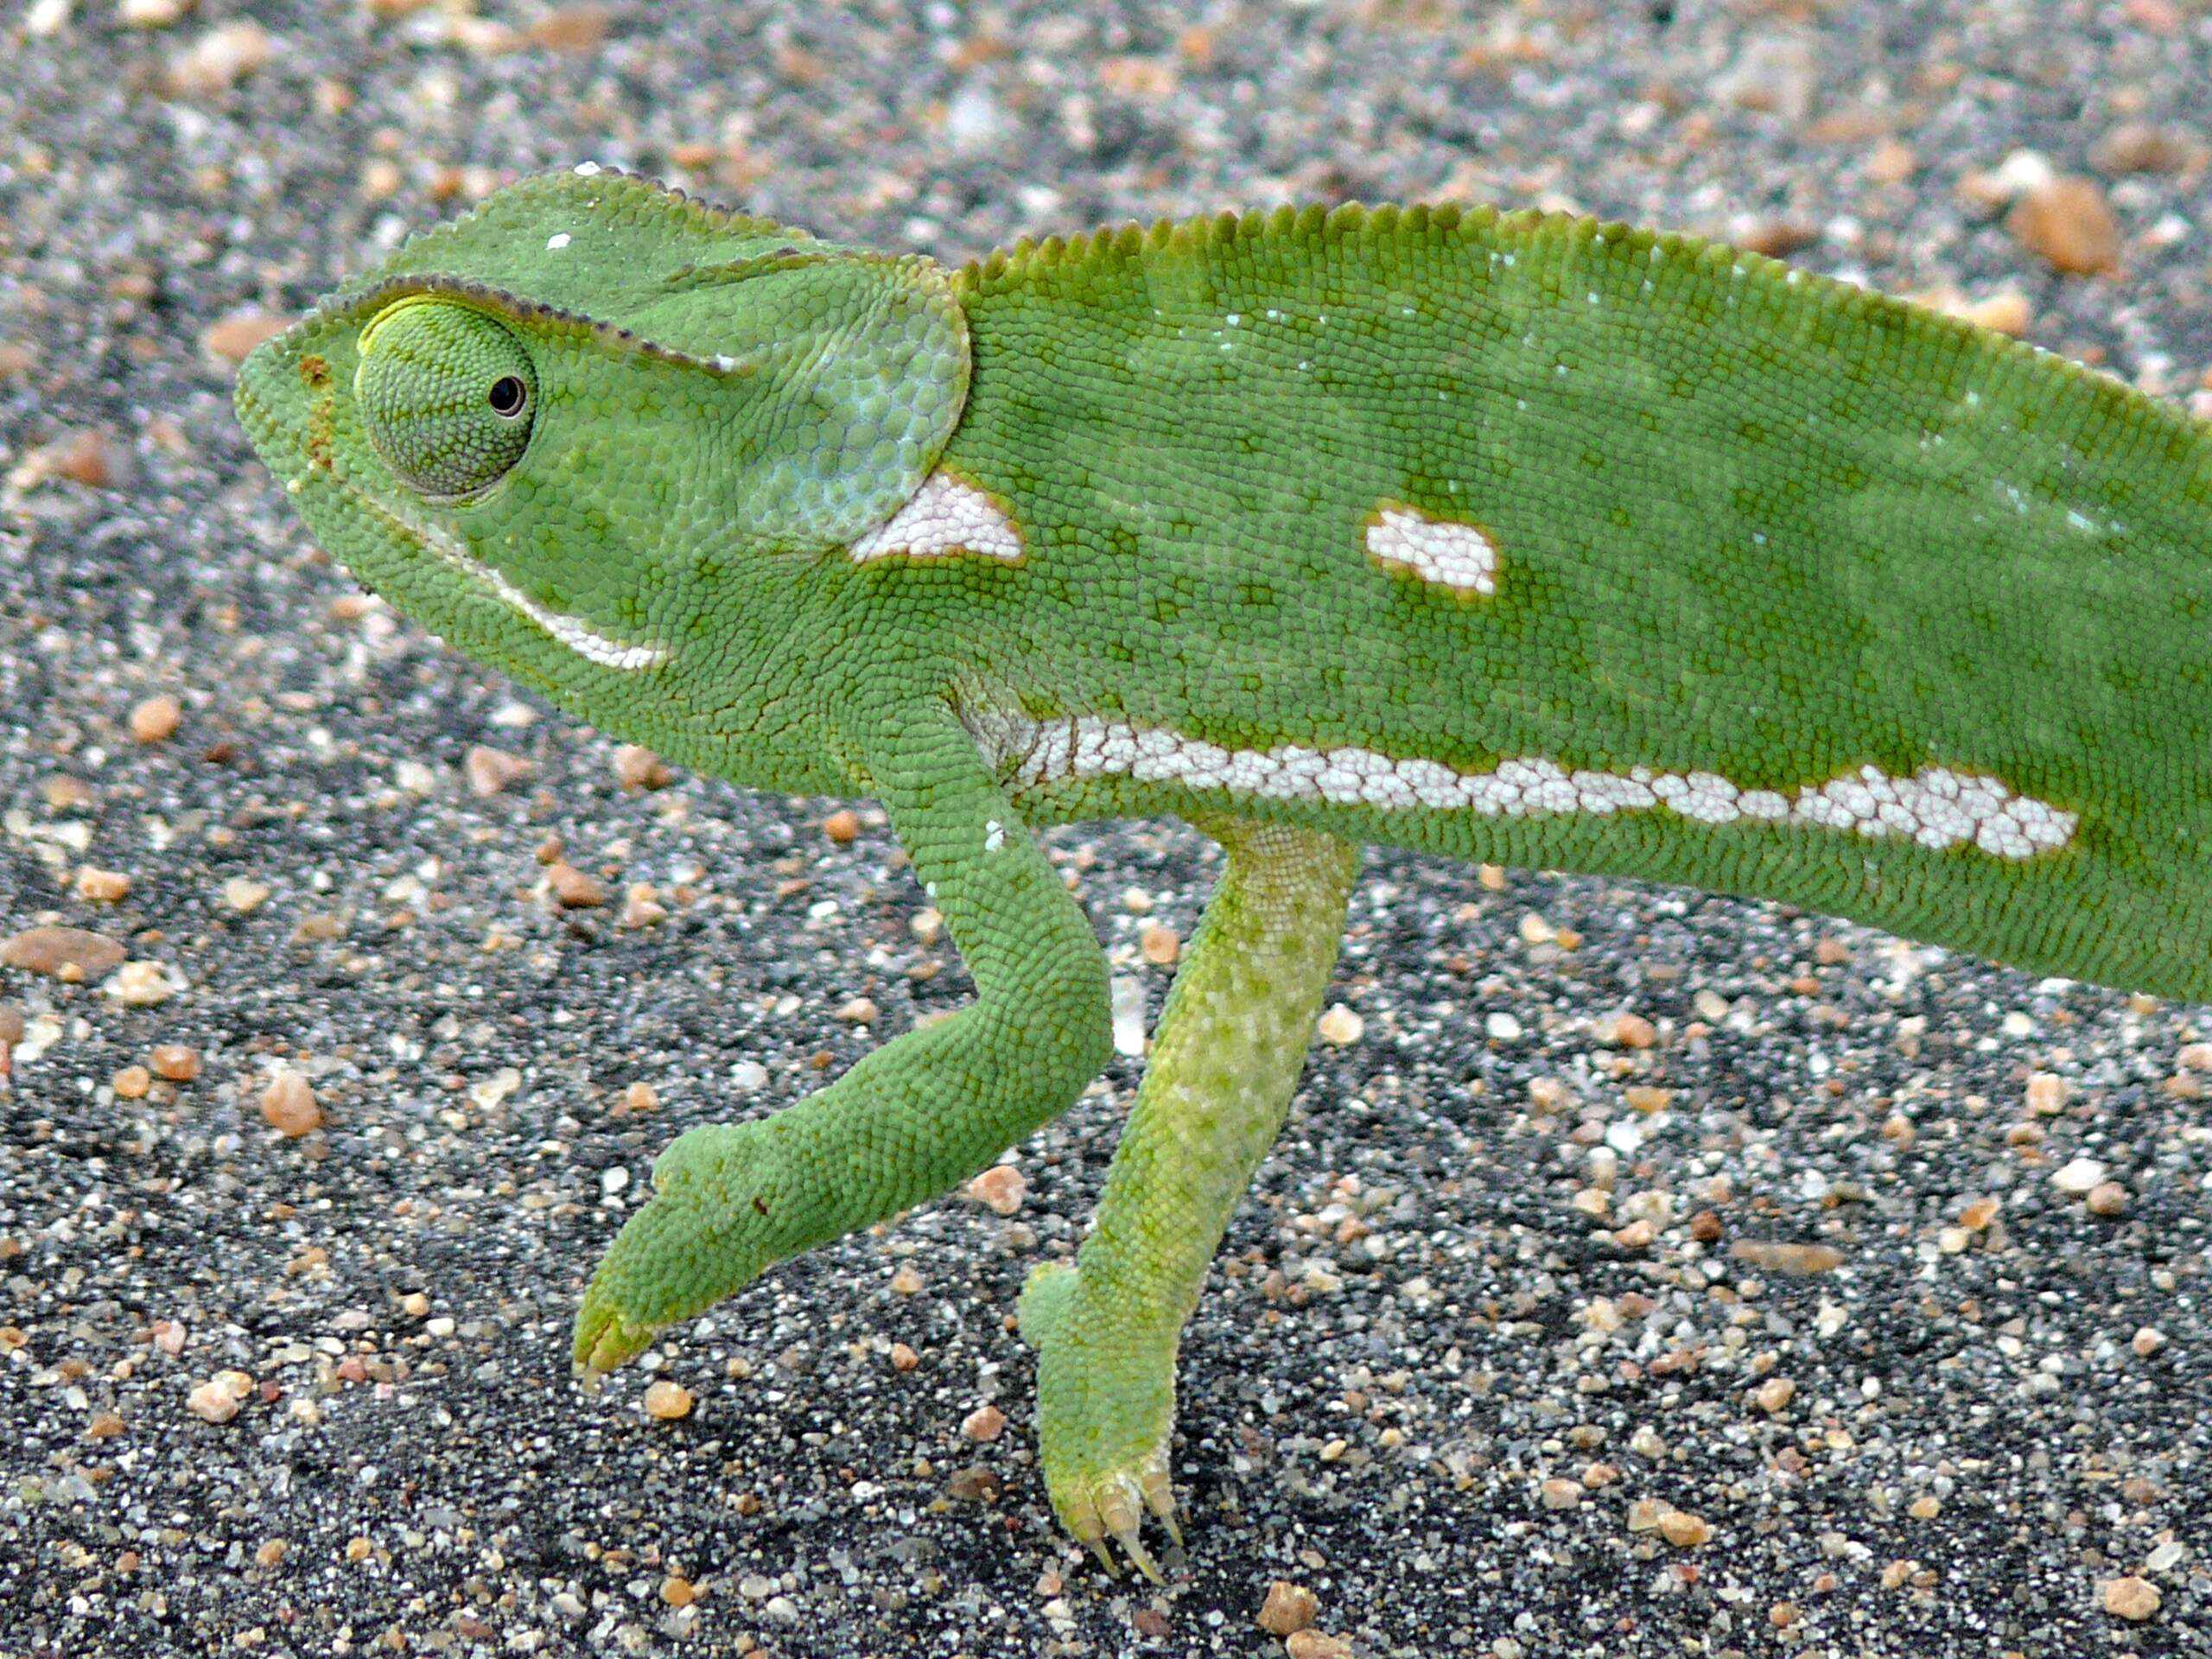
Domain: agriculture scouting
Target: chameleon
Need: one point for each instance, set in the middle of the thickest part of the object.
(1507, 535)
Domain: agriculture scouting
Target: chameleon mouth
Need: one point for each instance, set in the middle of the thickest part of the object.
(571, 633)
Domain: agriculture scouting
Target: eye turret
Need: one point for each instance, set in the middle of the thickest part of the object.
(447, 394)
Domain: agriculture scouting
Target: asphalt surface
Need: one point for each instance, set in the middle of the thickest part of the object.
(1849, 1298)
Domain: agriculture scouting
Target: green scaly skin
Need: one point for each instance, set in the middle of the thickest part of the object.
(1514, 538)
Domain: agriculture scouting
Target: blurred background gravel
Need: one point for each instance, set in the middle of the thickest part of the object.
(1640, 1274)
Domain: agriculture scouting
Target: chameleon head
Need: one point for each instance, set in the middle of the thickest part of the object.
(596, 429)
(440, 443)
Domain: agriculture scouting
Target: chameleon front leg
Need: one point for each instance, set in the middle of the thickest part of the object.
(914, 1118)
(1231, 1042)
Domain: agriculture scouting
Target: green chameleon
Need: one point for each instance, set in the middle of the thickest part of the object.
(1511, 537)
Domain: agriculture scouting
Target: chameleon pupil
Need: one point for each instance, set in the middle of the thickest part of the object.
(507, 397)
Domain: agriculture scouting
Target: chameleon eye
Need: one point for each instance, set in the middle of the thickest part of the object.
(447, 394)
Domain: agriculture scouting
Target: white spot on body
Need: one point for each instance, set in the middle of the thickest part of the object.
(994, 836)
(1441, 550)
(586, 169)
(1936, 807)
(946, 515)
(559, 240)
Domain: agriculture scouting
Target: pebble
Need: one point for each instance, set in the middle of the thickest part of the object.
(1340, 1026)
(2145, 147)
(637, 769)
(1684, 1531)
(1790, 1260)
(218, 60)
(2147, 1340)
(155, 720)
(668, 1400)
(842, 826)
(102, 886)
(2067, 221)
(859, 1011)
(2078, 1177)
(1316, 1644)
(1002, 1186)
(906, 1281)
(65, 953)
(132, 1081)
(141, 984)
(1288, 1608)
(572, 889)
(229, 338)
(2132, 1598)
(216, 1400)
(244, 896)
(1548, 1095)
(2008, 312)
(1160, 944)
(1775, 1395)
(2107, 1199)
(1560, 1494)
(984, 1423)
(1502, 1028)
(489, 771)
(1776, 71)
(1625, 1031)
(288, 1106)
(84, 456)
(2047, 1093)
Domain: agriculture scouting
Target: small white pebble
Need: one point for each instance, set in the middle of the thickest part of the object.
(1340, 1026)
(2078, 1179)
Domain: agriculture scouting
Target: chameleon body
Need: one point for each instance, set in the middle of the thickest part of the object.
(1516, 537)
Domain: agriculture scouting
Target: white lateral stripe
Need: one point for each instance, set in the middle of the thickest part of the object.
(1449, 553)
(945, 515)
(567, 630)
(1936, 807)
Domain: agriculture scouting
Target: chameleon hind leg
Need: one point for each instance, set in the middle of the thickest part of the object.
(1230, 1044)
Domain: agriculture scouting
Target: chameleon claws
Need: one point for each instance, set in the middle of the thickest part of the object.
(1129, 1541)
(604, 1340)
(1111, 1512)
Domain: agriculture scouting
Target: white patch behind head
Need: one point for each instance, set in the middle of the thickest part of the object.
(1439, 550)
(946, 515)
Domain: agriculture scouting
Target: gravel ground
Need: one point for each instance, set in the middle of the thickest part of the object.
(1640, 1273)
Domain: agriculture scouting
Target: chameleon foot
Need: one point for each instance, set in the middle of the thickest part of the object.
(703, 1235)
(604, 1339)
(1105, 1412)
